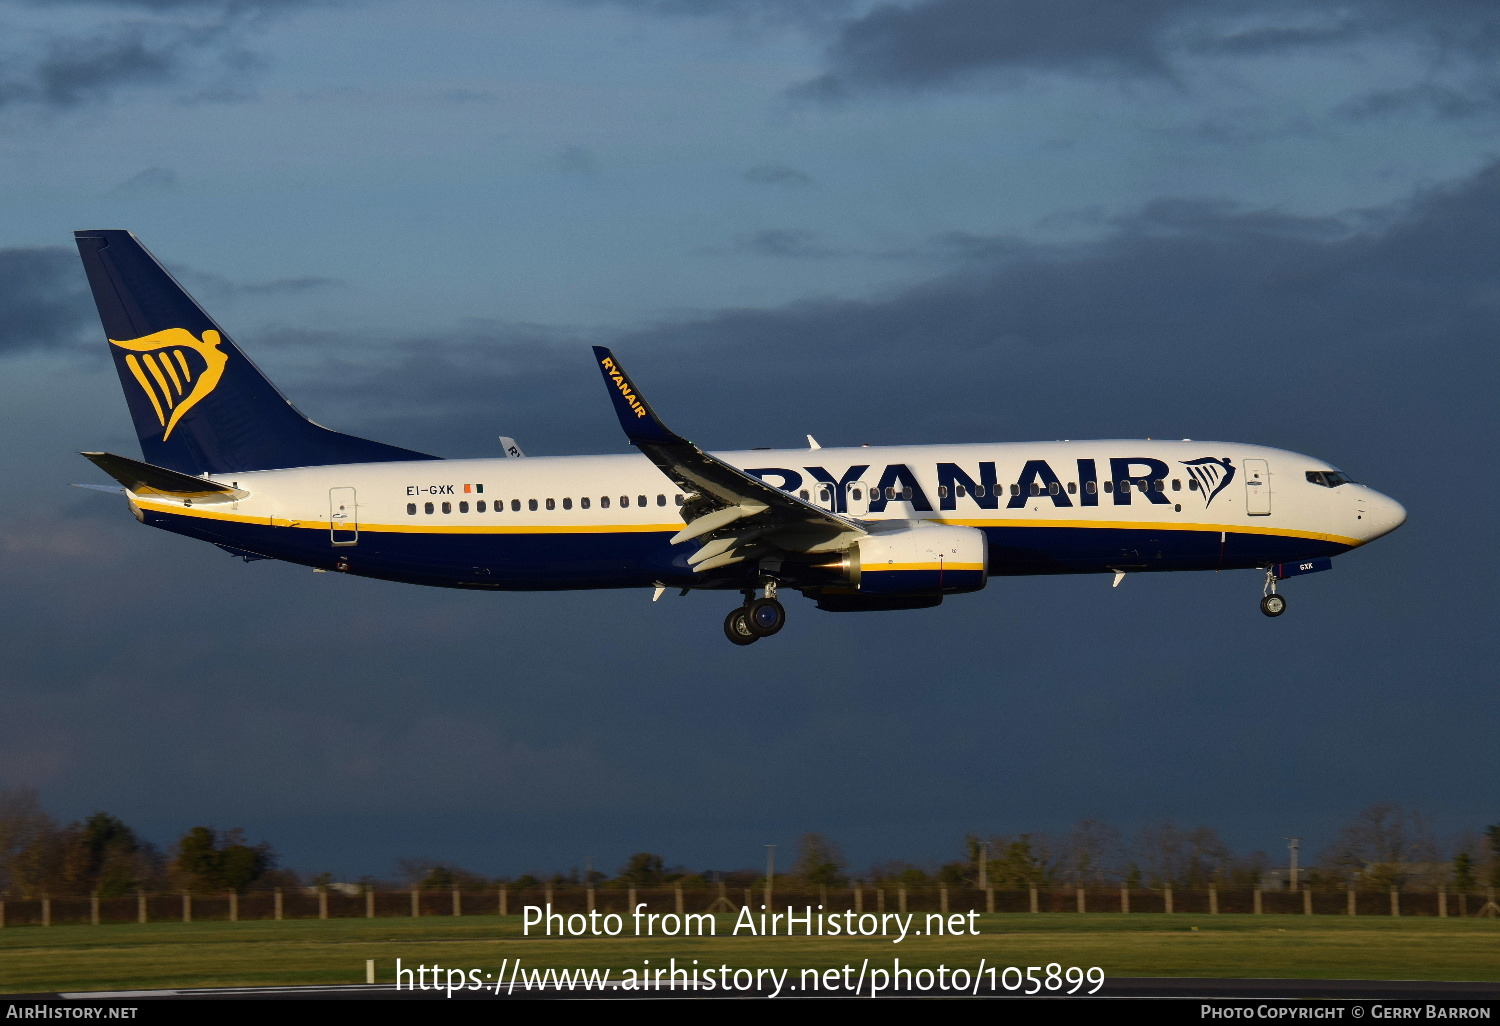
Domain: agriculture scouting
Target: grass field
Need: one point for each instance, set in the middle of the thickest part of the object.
(160, 955)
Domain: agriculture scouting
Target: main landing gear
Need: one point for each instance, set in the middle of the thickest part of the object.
(1271, 603)
(757, 618)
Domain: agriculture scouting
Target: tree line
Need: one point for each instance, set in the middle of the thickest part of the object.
(102, 855)
(1384, 845)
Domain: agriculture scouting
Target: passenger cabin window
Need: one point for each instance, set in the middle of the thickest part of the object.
(661, 499)
(804, 494)
(583, 503)
(1072, 487)
(567, 504)
(1091, 488)
(515, 505)
(1015, 489)
(680, 499)
(640, 500)
(531, 505)
(463, 507)
(1109, 486)
(1193, 484)
(1176, 484)
(1053, 488)
(426, 507)
(942, 491)
(604, 502)
(551, 503)
(624, 501)
(411, 509)
(447, 507)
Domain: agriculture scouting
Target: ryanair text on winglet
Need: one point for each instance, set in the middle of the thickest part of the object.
(624, 385)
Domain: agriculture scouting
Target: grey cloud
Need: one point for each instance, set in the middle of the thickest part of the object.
(576, 160)
(785, 243)
(44, 301)
(151, 180)
(936, 43)
(196, 45)
(777, 174)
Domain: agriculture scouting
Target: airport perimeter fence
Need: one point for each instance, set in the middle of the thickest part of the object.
(347, 903)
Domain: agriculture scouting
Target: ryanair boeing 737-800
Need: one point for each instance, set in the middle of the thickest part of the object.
(228, 460)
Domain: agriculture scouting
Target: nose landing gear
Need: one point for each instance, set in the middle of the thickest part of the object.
(1271, 603)
(757, 618)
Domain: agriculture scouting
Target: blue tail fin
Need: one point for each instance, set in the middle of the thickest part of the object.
(198, 404)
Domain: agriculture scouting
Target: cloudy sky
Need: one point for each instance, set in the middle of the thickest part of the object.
(1267, 221)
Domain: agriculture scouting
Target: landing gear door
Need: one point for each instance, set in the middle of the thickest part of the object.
(343, 520)
(857, 499)
(1257, 488)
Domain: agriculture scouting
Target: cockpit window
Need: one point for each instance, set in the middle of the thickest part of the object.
(1329, 478)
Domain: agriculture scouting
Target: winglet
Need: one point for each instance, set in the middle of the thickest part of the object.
(640, 422)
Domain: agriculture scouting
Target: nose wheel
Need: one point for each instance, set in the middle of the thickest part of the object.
(757, 618)
(1271, 603)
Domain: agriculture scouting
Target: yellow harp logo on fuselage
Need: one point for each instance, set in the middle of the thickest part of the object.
(175, 369)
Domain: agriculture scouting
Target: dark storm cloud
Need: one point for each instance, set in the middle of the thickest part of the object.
(1189, 313)
(44, 301)
(944, 42)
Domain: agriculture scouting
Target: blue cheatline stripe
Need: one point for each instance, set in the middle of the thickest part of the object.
(628, 559)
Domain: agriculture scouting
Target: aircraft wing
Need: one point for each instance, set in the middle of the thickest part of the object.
(740, 515)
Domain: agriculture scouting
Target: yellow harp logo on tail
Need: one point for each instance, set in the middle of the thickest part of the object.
(175, 369)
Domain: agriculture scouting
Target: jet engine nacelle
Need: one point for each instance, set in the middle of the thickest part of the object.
(914, 557)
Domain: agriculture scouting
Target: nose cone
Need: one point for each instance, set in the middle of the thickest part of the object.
(1380, 515)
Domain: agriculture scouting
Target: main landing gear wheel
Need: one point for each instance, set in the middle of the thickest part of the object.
(1273, 605)
(765, 617)
(737, 627)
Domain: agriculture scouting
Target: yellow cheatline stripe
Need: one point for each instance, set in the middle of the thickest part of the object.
(677, 526)
(1159, 525)
(920, 566)
(171, 372)
(135, 368)
(149, 359)
(324, 525)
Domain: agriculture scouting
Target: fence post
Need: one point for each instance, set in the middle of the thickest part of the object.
(943, 898)
(1081, 908)
(47, 911)
(234, 906)
(749, 900)
(1124, 898)
(369, 902)
(322, 902)
(1035, 905)
(1350, 903)
(679, 899)
(630, 898)
(1167, 898)
(1395, 902)
(278, 903)
(547, 896)
(1257, 901)
(989, 900)
(94, 909)
(823, 894)
(901, 899)
(1213, 900)
(2, 911)
(458, 904)
(859, 898)
(1307, 901)
(504, 900)
(416, 903)
(1442, 903)
(187, 907)
(880, 900)
(140, 905)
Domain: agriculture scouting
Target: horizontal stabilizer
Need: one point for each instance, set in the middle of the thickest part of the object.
(111, 489)
(144, 479)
